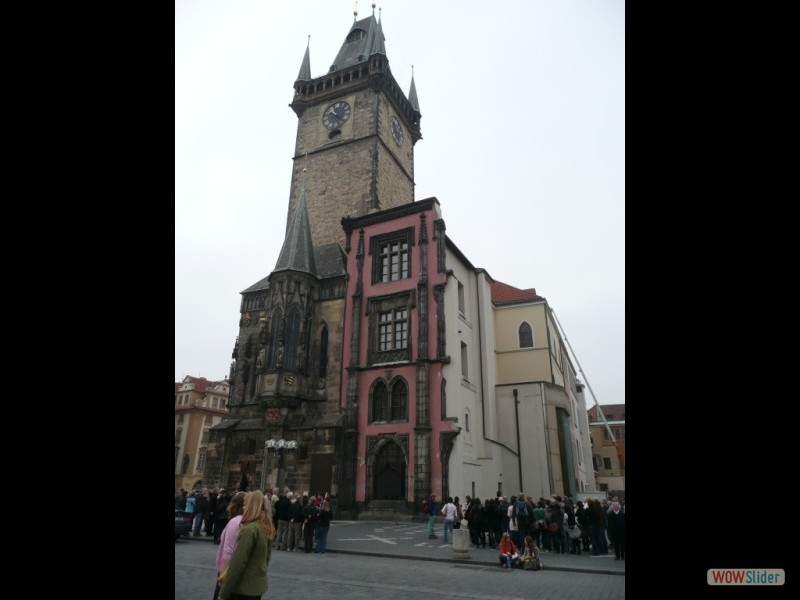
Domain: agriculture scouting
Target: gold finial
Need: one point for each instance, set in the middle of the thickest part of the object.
(373, 9)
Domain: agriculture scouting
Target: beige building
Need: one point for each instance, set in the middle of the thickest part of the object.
(608, 461)
(199, 404)
(537, 387)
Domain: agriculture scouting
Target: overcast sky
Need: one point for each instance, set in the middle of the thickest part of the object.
(523, 125)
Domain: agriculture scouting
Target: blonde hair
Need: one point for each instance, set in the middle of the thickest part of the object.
(255, 509)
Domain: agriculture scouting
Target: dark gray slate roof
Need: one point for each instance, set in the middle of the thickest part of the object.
(368, 45)
(226, 424)
(330, 259)
(297, 253)
(250, 424)
(261, 284)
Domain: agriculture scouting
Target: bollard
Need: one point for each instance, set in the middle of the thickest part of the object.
(461, 544)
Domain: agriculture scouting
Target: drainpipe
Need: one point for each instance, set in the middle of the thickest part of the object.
(519, 447)
(546, 441)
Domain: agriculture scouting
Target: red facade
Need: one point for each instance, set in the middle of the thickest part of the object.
(392, 378)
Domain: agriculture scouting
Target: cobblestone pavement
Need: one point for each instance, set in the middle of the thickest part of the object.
(357, 566)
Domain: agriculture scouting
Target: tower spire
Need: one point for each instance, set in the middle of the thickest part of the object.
(297, 253)
(355, 12)
(412, 93)
(305, 66)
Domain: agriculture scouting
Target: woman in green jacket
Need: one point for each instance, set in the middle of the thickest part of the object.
(246, 575)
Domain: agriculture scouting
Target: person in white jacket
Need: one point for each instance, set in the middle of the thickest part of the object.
(449, 513)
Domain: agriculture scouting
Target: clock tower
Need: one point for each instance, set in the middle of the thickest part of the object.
(354, 155)
(356, 133)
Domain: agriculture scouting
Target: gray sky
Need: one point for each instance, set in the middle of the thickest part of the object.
(523, 125)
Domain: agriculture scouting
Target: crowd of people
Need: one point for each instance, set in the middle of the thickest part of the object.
(300, 521)
(249, 525)
(556, 524)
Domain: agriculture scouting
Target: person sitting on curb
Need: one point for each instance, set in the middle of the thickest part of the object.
(509, 555)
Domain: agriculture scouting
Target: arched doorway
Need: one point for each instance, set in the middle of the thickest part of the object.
(390, 474)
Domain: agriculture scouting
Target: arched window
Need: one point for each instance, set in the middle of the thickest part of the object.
(292, 337)
(399, 401)
(525, 336)
(323, 352)
(380, 402)
(277, 326)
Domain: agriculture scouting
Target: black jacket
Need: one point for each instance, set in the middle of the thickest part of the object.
(324, 519)
(616, 525)
(296, 512)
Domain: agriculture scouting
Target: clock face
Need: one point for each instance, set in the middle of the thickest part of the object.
(336, 114)
(397, 131)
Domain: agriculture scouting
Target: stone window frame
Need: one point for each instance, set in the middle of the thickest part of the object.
(375, 243)
(382, 304)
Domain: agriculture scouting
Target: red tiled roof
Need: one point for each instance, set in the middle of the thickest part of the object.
(612, 412)
(502, 292)
(201, 384)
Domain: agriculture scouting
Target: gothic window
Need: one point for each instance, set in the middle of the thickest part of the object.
(525, 336)
(391, 255)
(393, 260)
(292, 337)
(323, 352)
(380, 400)
(390, 327)
(393, 330)
(277, 325)
(399, 405)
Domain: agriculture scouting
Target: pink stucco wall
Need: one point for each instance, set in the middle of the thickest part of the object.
(406, 371)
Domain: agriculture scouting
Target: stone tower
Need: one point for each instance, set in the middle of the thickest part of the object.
(356, 133)
(354, 154)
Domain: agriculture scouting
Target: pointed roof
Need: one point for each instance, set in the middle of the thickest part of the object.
(297, 253)
(305, 68)
(412, 93)
(364, 39)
